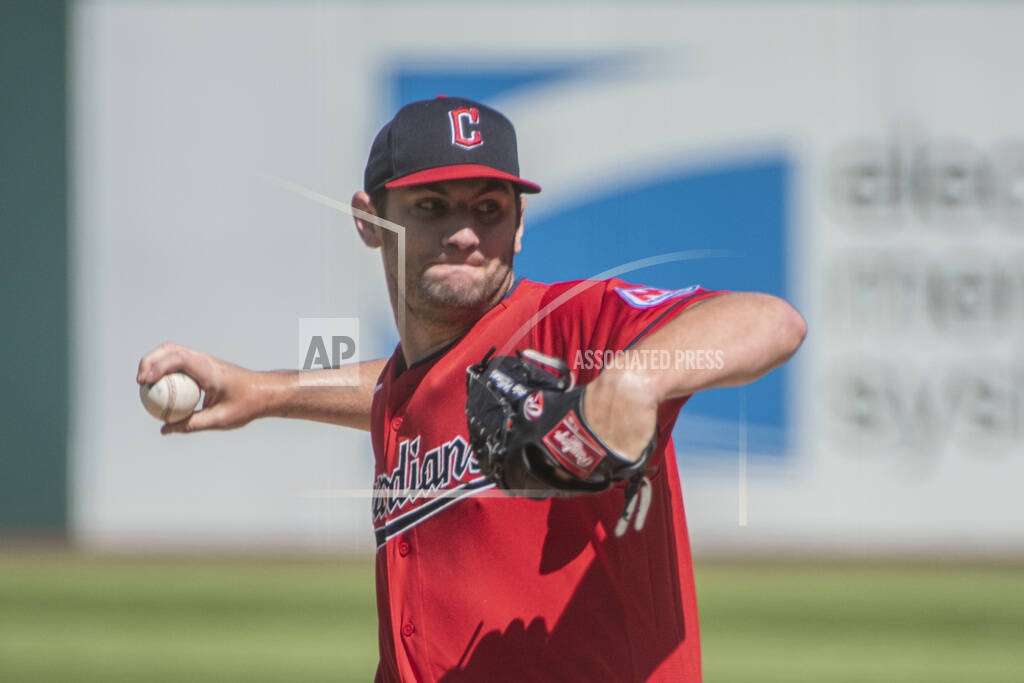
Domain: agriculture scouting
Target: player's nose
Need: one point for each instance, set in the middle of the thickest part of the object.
(464, 237)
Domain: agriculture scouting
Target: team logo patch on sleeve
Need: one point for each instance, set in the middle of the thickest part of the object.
(648, 297)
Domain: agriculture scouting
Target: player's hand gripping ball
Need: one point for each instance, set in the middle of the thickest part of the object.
(529, 434)
(171, 398)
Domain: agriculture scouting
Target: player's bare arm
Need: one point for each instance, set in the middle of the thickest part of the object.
(754, 332)
(235, 396)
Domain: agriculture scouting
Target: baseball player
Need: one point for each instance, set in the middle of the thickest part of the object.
(476, 583)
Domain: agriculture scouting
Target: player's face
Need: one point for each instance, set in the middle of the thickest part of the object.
(460, 238)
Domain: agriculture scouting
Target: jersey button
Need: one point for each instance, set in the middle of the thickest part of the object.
(408, 629)
(403, 548)
(396, 423)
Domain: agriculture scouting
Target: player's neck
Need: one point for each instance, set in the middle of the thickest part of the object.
(428, 331)
(420, 343)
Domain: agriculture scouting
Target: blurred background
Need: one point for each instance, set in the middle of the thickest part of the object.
(855, 516)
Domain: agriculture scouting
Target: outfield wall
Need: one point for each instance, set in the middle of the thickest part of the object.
(33, 269)
(867, 163)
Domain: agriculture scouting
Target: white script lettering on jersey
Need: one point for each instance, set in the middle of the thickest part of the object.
(417, 476)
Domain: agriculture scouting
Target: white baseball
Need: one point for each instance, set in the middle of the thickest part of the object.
(171, 398)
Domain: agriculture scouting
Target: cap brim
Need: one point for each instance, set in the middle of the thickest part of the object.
(459, 172)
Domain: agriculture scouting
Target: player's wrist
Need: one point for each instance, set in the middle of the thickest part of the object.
(272, 392)
(612, 395)
(615, 385)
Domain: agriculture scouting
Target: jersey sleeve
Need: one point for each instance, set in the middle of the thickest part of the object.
(587, 322)
(590, 318)
(631, 312)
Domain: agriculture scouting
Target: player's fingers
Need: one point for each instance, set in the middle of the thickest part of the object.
(172, 358)
(193, 423)
(214, 417)
(175, 427)
(145, 364)
(155, 364)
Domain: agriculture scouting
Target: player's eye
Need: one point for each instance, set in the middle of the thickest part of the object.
(430, 205)
(488, 208)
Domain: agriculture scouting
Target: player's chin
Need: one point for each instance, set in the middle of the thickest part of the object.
(461, 288)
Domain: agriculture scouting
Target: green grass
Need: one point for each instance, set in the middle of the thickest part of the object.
(862, 624)
(66, 617)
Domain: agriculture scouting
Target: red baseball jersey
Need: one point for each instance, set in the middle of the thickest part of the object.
(475, 585)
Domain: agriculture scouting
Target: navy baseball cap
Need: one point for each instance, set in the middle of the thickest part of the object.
(446, 138)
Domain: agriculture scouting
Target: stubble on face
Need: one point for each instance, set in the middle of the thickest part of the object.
(459, 290)
(452, 285)
(444, 294)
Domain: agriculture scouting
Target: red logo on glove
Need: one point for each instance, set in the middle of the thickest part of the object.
(573, 446)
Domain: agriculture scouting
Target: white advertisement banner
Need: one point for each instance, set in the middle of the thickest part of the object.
(864, 162)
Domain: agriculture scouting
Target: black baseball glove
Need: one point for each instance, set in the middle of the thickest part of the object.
(530, 437)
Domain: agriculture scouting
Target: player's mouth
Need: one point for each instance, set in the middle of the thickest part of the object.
(469, 265)
(473, 260)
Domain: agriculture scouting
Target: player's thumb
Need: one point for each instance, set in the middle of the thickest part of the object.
(208, 418)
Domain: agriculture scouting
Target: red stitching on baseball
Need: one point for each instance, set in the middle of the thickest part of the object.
(170, 398)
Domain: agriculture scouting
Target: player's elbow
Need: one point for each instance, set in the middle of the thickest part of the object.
(791, 329)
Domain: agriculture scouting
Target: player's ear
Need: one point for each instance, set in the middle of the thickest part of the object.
(518, 244)
(369, 232)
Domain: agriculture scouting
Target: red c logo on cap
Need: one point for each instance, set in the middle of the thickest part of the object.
(461, 119)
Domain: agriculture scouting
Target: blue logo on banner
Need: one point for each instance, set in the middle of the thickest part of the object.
(738, 206)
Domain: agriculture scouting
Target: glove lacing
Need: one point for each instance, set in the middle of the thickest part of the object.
(638, 502)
